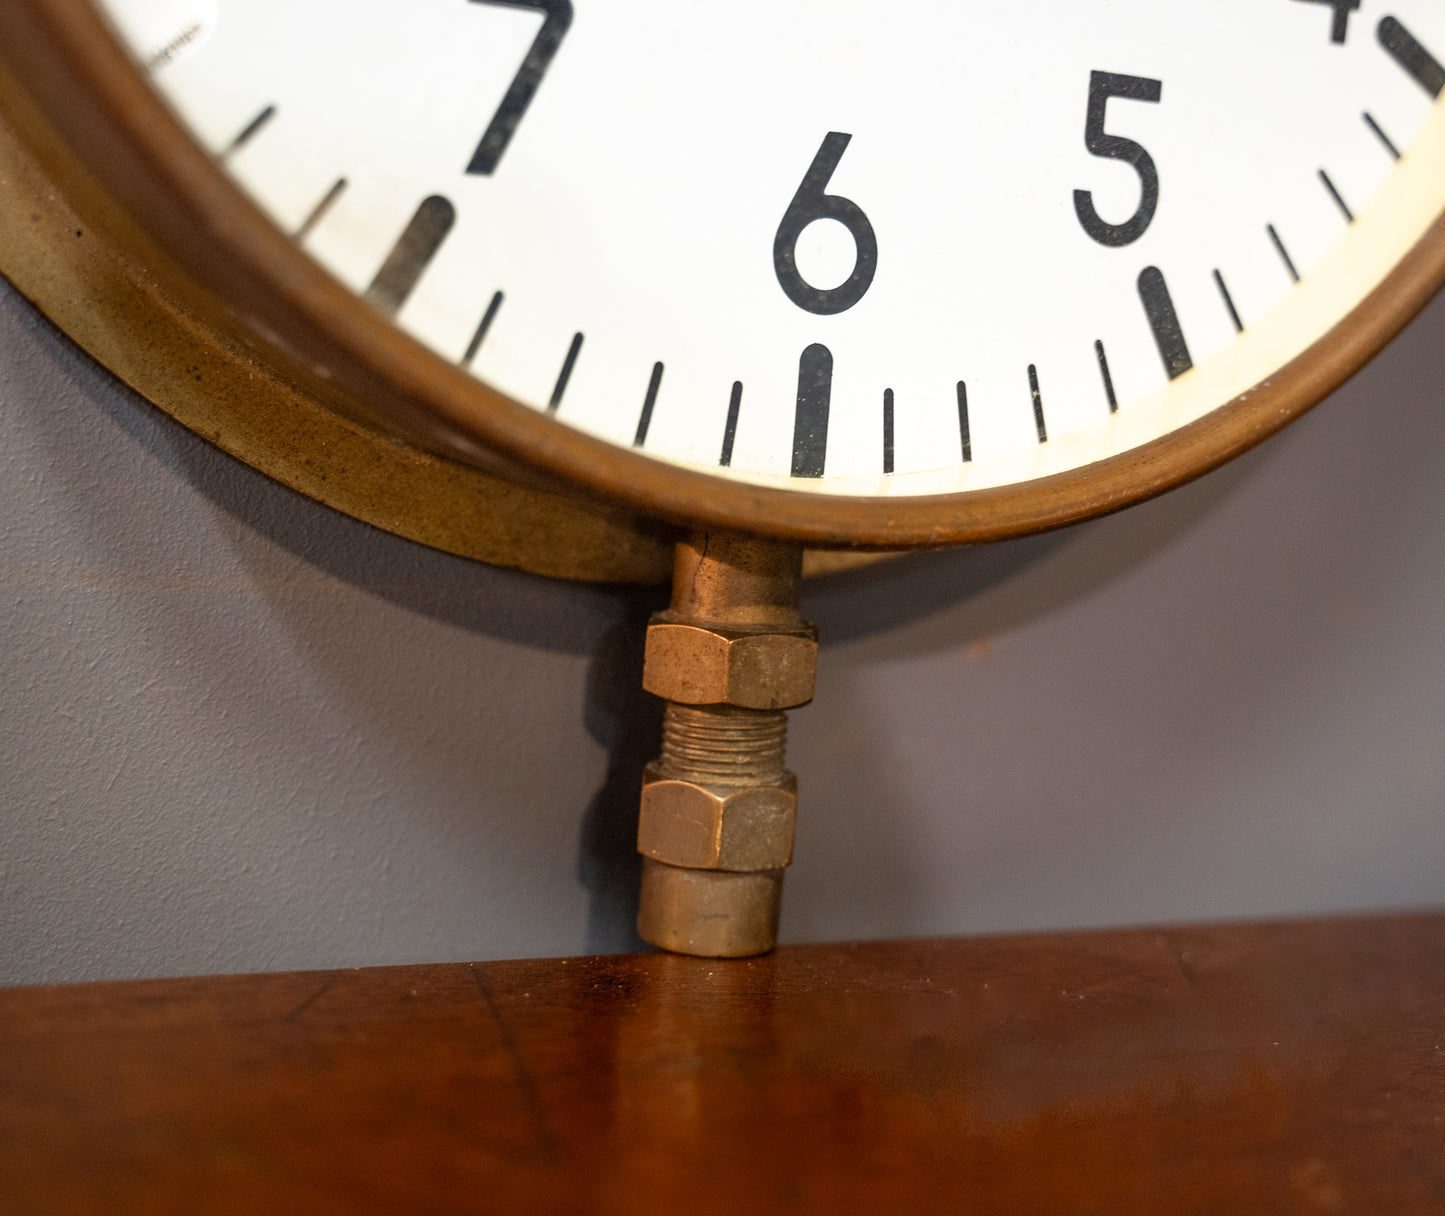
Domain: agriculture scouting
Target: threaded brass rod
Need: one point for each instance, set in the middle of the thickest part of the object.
(721, 743)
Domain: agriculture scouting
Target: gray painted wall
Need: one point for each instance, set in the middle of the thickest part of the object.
(241, 732)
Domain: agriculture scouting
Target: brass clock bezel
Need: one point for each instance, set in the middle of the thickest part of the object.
(65, 262)
(216, 251)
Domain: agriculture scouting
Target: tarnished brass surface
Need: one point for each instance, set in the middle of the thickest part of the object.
(711, 913)
(68, 264)
(59, 247)
(719, 798)
(718, 827)
(718, 808)
(758, 668)
(721, 578)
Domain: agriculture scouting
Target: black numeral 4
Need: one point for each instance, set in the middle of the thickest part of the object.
(1341, 24)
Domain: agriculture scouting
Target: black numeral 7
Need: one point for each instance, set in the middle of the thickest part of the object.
(557, 16)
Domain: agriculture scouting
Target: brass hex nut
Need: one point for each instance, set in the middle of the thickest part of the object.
(710, 913)
(717, 827)
(707, 665)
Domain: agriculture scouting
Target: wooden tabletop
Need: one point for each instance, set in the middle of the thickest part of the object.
(1267, 1069)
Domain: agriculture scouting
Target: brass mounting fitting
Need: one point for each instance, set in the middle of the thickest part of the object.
(718, 807)
(751, 668)
(719, 798)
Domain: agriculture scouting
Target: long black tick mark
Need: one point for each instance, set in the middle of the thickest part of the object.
(1164, 321)
(1407, 51)
(810, 418)
(412, 254)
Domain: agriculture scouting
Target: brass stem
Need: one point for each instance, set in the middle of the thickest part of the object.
(721, 578)
(718, 807)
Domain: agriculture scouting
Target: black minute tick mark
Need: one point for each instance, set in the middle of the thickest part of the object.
(565, 375)
(1104, 375)
(1335, 194)
(1228, 302)
(250, 131)
(1380, 135)
(965, 439)
(887, 430)
(318, 212)
(1038, 401)
(650, 400)
(485, 324)
(1283, 253)
(730, 428)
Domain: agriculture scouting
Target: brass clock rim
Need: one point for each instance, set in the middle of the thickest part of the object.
(63, 261)
(347, 354)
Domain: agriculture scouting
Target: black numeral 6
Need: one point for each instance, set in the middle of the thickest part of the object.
(809, 204)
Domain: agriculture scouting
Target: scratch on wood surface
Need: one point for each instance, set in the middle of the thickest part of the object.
(326, 985)
(546, 1142)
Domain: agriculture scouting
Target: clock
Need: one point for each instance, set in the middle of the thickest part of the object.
(829, 275)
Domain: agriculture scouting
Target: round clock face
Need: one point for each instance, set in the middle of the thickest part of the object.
(844, 274)
(852, 247)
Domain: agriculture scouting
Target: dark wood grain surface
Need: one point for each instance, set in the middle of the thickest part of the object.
(1268, 1068)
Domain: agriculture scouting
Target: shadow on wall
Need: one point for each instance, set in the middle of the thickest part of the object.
(628, 723)
(951, 598)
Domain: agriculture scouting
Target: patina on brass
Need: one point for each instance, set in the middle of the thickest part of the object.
(63, 246)
(718, 807)
(719, 797)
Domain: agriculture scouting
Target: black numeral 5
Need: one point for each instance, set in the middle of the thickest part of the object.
(1102, 86)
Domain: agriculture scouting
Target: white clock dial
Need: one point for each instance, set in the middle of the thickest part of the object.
(865, 248)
